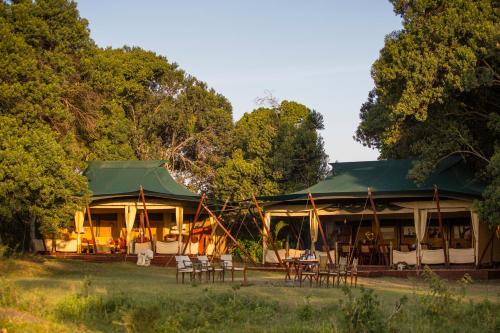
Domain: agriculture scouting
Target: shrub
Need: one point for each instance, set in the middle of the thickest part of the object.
(363, 313)
(254, 248)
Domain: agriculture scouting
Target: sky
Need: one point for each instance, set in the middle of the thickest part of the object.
(318, 53)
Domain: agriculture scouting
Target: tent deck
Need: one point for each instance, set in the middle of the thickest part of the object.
(452, 272)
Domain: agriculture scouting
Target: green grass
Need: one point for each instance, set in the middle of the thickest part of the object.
(67, 296)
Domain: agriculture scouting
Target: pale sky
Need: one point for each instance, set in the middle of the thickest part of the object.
(318, 53)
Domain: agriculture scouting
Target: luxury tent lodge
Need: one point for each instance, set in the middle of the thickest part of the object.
(374, 212)
(136, 205)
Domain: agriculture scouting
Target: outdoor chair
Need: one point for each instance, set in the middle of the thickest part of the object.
(87, 246)
(353, 272)
(366, 254)
(345, 250)
(184, 265)
(210, 269)
(324, 271)
(228, 265)
(342, 270)
(308, 271)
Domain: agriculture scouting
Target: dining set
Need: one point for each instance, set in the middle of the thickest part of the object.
(320, 270)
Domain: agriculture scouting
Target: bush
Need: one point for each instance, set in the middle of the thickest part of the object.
(363, 313)
(254, 248)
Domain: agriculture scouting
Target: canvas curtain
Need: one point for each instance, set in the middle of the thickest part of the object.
(130, 213)
(475, 231)
(420, 220)
(179, 220)
(313, 228)
(79, 219)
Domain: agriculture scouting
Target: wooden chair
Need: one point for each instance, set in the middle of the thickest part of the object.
(184, 265)
(345, 250)
(342, 270)
(366, 254)
(210, 269)
(308, 271)
(227, 265)
(324, 271)
(87, 246)
(353, 272)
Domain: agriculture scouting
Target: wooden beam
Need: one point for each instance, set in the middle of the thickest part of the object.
(221, 240)
(323, 237)
(91, 229)
(441, 229)
(143, 197)
(196, 217)
(377, 223)
(266, 228)
(229, 234)
(490, 242)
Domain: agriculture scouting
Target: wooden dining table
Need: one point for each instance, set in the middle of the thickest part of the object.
(296, 266)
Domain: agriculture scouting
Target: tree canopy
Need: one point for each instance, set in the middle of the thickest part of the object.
(65, 101)
(275, 150)
(437, 91)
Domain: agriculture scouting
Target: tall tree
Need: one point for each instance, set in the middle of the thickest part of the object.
(436, 91)
(276, 150)
(65, 101)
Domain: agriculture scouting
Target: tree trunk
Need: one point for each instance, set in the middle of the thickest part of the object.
(32, 233)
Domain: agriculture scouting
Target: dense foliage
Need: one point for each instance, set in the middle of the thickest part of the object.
(437, 91)
(275, 150)
(65, 101)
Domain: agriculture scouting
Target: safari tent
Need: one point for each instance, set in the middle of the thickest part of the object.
(374, 211)
(135, 205)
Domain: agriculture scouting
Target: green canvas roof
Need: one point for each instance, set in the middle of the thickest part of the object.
(389, 178)
(109, 179)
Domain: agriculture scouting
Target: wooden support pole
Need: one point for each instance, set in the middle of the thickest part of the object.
(196, 217)
(91, 229)
(229, 234)
(147, 218)
(220, 216)
(323, 237)
(377, 223)
(441, 229)
(266, 228)
(221, 240)
(490, 242)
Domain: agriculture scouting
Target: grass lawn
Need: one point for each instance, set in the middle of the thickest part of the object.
(67, 296)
